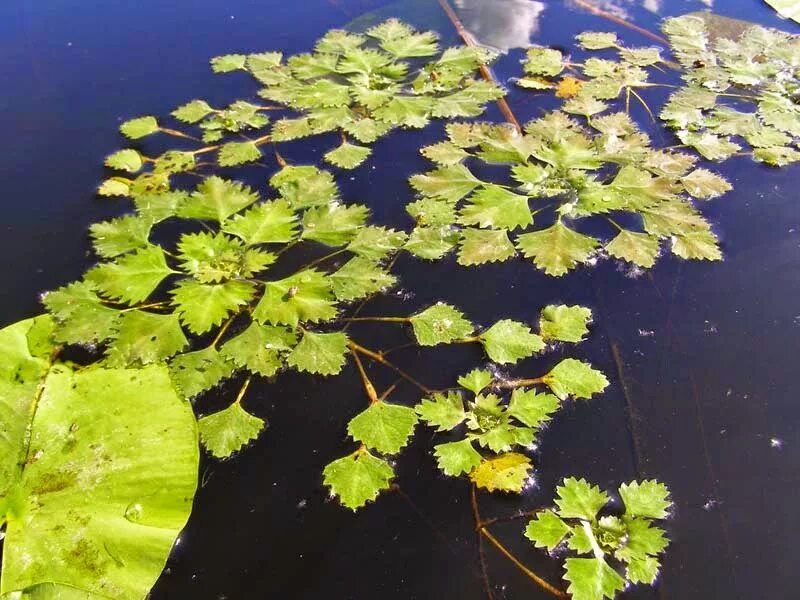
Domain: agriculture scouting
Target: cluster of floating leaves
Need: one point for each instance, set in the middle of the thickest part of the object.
(561, 173)
(580, 523)
(737, 91)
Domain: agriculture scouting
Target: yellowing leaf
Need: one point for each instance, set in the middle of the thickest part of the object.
(504, 472)
(568, 87)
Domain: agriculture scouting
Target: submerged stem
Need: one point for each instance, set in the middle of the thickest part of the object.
(242, 391)
(368, 387)
(378, 357)
(176, 133)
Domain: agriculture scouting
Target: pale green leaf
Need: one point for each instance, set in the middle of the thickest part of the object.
(543, 61)
(139, 127)
(193, 111)
(261, 349)
(268, 222)
(504, 472)
(406, 111)
(448, 183)
(444, 153)
(456, 458)
(641, 540)
(642, 570)
(204, 306)
(159, 207)
(115, 186)
(358, 478)
(145, 338)
(509, 341)
(788, 9)
(229, 430)
(319, 353)
(431, 212)
(196, 372)
(133, 277)
(697, 245)
(125, 160)
(359, 277)
(375, 243)
(597, 40)
(81, 317)
(479, 246)
(217, 199)
(648, 498)
(305, 186)
(412, 45)
(347, 155)
(305, 296)
(578, 499)
(333, 224)
(702, 183)
(572, 377)
(475, 380)
(592, 579)
(228, 62)
(238, 153)
(777, 156)
(174, 161)
(557, 249)
(440, 324)
(497, 207)
(444, 411)
(212, 258)
(383, 427)
(638, 248)
(118, 236)
(546, 530)
(564, 323)
(532, 408)
(431, 243)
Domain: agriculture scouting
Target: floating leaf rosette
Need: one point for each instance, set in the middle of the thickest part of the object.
(561, 174)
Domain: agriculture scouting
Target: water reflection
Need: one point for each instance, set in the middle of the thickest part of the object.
(501, 24)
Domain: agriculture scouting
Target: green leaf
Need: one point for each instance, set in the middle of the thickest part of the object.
(641, 541)
(467, 102)
(641, 57)
(375, 243)
(456, 458)
(509, 341)
(412, 45)
(440, 324)
(81, 318)
(217, 199)
(125, 160)
(193, 111)
(578, 499)
(145, 338)
(431, 243)
(596, 40)
(444, 153)
(204, 306)
(431, 212)
(574, 378)
(580, 540)
(702, 183)
(406, 111)
(338, 41)
(710, 146)
(645, 499)
(698, 245)
(133, 277)
(260, 348)
(448, 183)
(638, 248)
(212, 258)
(777, 156)
(319, 353)
(358, 478)
(592, 579)
(102, 503)
(557, 249)
(115, 186)
(359, 277)
(531, 408)
(383, 427)
(196, 372)
(285, 130)
(229, 430)
(479, 246)
(347, 155)
(642, 570)
(334, 224)
(264, 223)
(475, 380)
(139, 127)
(543, 61)
(159, 207)
(174, 161)
(305, 186)
(238, 153)
(227, 63)
(118, 236)
(564, 323)
(494, 206)
(504, 472)
(547, 530)
(305, 296)
(366, 130)
(444, 411)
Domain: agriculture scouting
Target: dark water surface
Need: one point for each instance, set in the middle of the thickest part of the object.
(708, 352)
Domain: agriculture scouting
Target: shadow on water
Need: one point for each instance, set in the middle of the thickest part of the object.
(701, 356)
